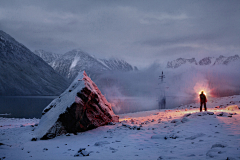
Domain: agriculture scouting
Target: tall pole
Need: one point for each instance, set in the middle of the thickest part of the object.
(162, 96)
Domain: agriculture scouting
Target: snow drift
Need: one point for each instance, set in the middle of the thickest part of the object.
(81, 107)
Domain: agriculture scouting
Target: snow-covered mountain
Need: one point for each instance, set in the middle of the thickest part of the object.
(221, 60)
(46, 56)
(72, 62)
(75, 61)
(227, 60)
(180, 61)
(116, 64)
(24, 73)
(207, 61)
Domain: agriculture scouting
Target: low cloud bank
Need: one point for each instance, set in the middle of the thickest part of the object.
(140, 90)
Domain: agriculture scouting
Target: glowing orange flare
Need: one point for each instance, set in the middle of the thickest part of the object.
(203, 92)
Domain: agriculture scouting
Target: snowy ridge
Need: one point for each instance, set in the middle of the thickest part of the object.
(227, 60)
(180, 61)
(46, 56)
(207, 61)
(32, 75)
(70, 63)
(116, 64)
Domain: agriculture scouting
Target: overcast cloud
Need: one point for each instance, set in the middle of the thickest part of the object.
(141, 32)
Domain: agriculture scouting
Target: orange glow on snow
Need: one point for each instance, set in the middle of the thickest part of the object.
(124, 119)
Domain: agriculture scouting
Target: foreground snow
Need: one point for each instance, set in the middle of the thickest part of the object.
(181, 133)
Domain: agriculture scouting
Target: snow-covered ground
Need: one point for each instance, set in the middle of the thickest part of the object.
(182, 133)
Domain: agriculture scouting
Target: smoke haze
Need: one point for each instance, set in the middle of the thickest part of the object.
(140, 90)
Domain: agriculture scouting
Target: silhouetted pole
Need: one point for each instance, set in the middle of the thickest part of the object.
(162, 96)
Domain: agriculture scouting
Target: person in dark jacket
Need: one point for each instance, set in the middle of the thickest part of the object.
(203, 100)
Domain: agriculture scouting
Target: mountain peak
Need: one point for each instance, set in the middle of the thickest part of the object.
(32, 76)
(180, 61)
(76, 60)
(46, 56)
(207, 61)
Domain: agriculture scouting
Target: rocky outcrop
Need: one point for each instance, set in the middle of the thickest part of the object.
(220, 60)
(206, 61)
(231, 59)
(81, 107)
(180, 61)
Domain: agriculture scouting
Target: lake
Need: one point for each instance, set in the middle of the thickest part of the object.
(32, 106)
(24, 106)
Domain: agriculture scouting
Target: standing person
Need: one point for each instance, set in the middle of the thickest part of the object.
(203, 100)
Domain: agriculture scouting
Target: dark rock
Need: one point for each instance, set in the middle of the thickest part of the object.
(175, 121)
(78, 155)
(85, 153)
(82, 152)
(34, 139)
(173, 136)
(210, 154)
(186, 115)
(111, 123)
(81, 149)
(195, 136)
(191, 155)
(101, 143)
(113, 150)
(82, 109)
(184, 120)
(165, 157)
(67, 134)
(218, 145)
(210, 113)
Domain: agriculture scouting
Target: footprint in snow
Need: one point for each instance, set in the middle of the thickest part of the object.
(195, 136)
(101, 143)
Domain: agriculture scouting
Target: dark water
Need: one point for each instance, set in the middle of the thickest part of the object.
(24, 106)
(32, 106)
